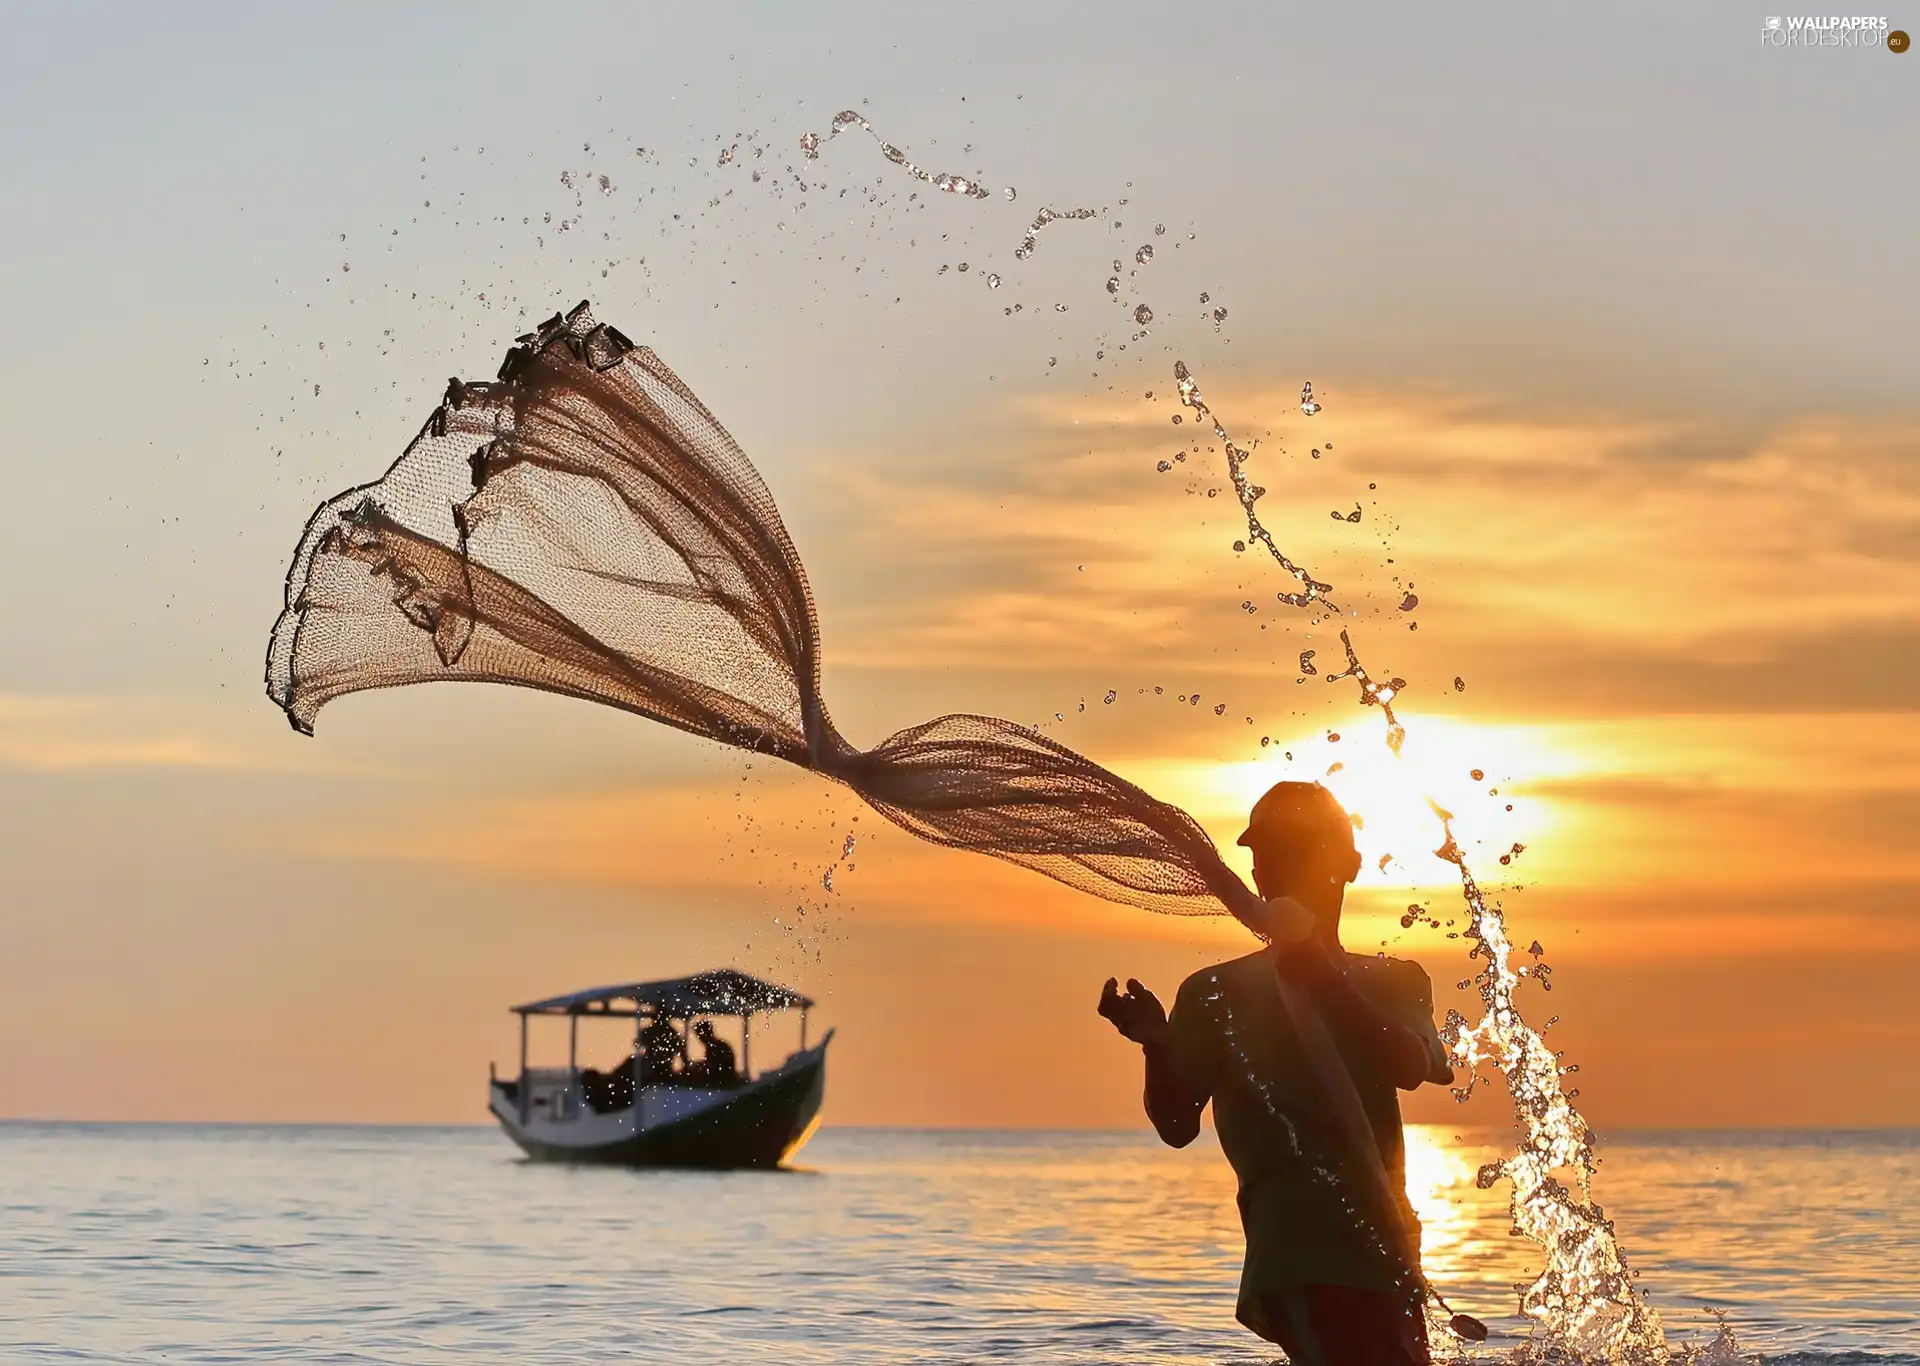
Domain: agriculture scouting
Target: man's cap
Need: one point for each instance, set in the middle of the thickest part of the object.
(1299, 809)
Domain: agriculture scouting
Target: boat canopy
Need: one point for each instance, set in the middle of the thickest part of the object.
(724, 991)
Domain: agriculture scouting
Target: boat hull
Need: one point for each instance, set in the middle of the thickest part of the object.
(760, 1124)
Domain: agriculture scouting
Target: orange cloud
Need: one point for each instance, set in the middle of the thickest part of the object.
(1601, 529)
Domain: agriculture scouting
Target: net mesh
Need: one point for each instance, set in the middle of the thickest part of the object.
(583, 525)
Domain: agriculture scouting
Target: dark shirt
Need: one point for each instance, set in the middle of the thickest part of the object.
(1236, 1045)
(717, 1068)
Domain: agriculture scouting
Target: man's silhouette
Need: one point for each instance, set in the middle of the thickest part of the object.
(660, 1044)
(716, 1066)
(1321, 1278)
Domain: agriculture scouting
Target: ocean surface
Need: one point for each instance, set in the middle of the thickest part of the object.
(158, 1243)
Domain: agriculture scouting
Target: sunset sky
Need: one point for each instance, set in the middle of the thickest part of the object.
(1612, 318)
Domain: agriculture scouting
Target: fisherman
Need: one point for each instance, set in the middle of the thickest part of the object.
(716, 1065)
(1326, 1276)
(659, 1045)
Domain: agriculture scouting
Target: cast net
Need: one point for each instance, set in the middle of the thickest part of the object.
(583, 525)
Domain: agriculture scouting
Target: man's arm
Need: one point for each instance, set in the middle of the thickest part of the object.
(1171, 1103)
(1399, 1052)
(1172, 1100)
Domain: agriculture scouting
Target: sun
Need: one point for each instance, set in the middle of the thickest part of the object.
(1475, 771)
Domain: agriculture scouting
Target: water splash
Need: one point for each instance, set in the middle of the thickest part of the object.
(844, 861)
(1584, 1297)
(1031, 242)
(1583, 1302)
(940, 180)
(1311, 589)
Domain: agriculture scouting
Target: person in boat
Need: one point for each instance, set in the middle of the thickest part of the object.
(716, 1067)
(660, 1047)
(1319, 1278)
(605, 1092)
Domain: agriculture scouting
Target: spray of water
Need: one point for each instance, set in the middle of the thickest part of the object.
(940, 180)
(1583, 1301)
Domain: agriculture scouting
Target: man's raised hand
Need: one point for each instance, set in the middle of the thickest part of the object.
(1138, 1014)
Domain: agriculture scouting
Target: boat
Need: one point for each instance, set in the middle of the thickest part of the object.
(658, 1108)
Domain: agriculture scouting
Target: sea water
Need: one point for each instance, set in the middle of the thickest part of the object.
(158, 1243)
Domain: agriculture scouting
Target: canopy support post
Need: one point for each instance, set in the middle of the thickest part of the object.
(522, 1088)
(573, 1058)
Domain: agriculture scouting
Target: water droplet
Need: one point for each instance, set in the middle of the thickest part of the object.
(1059, 308)
(1164, 466)
(1143, 315)
(1113, 284)
(1306, 662)
(1409, 602)
(1176, 419)
(1307, 405)
(1205, 297)
(964, 267)
(1220, 709)
(993, 281)
(1475, 774)
(1144, 255)
(1009, 193)
(1459, 684)
(1333, 736)
(1239, 545)
(1265, 740)
(1219, 315)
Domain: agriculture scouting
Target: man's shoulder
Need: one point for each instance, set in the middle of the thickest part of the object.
(1233, 970)
(1229, 981)
(1398, 977)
